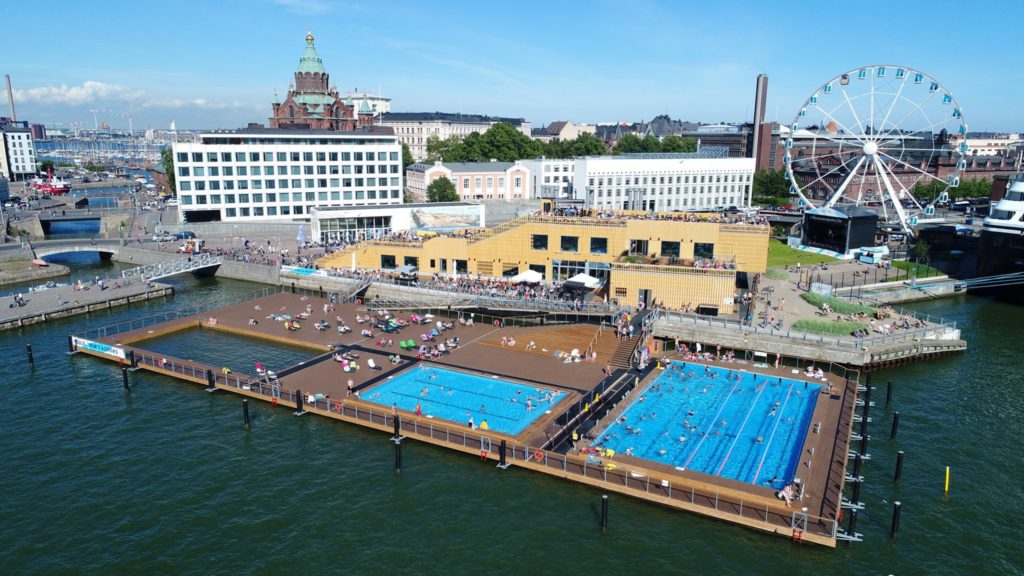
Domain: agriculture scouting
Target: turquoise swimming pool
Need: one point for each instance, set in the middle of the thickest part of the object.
(727, 423)
(505, 406)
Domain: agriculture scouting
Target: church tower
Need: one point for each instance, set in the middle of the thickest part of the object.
(312, 102)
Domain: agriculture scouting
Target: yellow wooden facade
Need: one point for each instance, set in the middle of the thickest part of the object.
(634, 255)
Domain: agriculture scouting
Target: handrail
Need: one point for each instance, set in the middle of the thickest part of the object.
(615, 475)
(597, 334)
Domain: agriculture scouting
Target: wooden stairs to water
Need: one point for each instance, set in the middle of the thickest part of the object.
(549, 339)
(624, 352)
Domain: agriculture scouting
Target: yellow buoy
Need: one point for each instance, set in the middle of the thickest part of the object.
(947, 479)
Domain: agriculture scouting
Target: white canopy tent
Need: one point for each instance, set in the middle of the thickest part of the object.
(528, 277)
(584, 280)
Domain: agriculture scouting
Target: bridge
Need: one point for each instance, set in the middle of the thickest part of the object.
(83, 214)
(194, 263)
(45, 248)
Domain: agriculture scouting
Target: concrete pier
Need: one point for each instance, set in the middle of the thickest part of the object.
(64, 301)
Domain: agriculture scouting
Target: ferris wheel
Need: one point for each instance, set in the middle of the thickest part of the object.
(879, 136)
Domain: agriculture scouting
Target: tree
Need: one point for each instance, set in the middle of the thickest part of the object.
(502, 142)
(770, 188)
(586, 144)
(167, 163)
(629, 144)
(45, 165)
(921, 250)
(449, 149)
(442, 190)
(673, 143)
(406, 156)
(650, 144)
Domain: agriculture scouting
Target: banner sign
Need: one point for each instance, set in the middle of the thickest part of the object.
(82, 343)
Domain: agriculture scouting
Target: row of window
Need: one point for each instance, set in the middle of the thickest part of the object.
(478, 181)
(670, 203)
(201, 185)
(202, 171)
(669, 248)
(670, 179)
(211, 157)
(717, 189)
(272, 197)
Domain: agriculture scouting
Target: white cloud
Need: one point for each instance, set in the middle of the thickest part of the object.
(93, 92)
(90, 91)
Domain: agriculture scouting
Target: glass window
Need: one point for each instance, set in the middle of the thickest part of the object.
(570, 244)
(387, 261)
(182, 156)
(703, 250)
(539, 241)
(598, 245)
(186, 199)
(230, 212)
(669, 249)
(282, 156)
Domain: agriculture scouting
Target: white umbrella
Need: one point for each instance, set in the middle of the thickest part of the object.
(528, 277)
(586, 280)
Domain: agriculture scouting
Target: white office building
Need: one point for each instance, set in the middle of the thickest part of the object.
(18, 160)
(663, 182)
(260, 174)
(551, 177)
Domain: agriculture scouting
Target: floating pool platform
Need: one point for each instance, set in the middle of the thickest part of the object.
(748, 430)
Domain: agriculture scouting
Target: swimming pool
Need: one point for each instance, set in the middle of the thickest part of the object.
(459, 396)
(733, 424)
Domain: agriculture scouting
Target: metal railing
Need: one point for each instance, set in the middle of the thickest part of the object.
(935, 332)
(172, 267)
(135, 324)
(615, 475)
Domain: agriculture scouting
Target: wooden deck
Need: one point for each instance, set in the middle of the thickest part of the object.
(822, 474)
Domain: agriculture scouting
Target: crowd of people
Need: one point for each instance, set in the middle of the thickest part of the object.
(713, 217)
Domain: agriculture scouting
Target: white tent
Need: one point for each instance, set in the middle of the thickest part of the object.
(584, 280)
(528, 277)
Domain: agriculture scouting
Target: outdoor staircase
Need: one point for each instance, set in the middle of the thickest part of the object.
(623, 356)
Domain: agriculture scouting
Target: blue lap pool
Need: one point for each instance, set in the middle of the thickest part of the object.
(727, 423)
(507, 407)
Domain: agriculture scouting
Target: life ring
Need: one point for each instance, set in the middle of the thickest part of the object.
(483, 454)
(538, 456)
(497, 323)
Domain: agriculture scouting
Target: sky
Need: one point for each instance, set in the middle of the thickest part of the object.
(217, 64)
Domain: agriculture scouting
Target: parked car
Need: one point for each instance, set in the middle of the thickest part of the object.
(163, 237)
(184, 235)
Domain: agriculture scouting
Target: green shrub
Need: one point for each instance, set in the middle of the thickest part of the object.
(838, 306)
(777, 273)
(830, 327)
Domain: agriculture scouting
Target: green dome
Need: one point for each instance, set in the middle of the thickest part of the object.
(310, 61)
